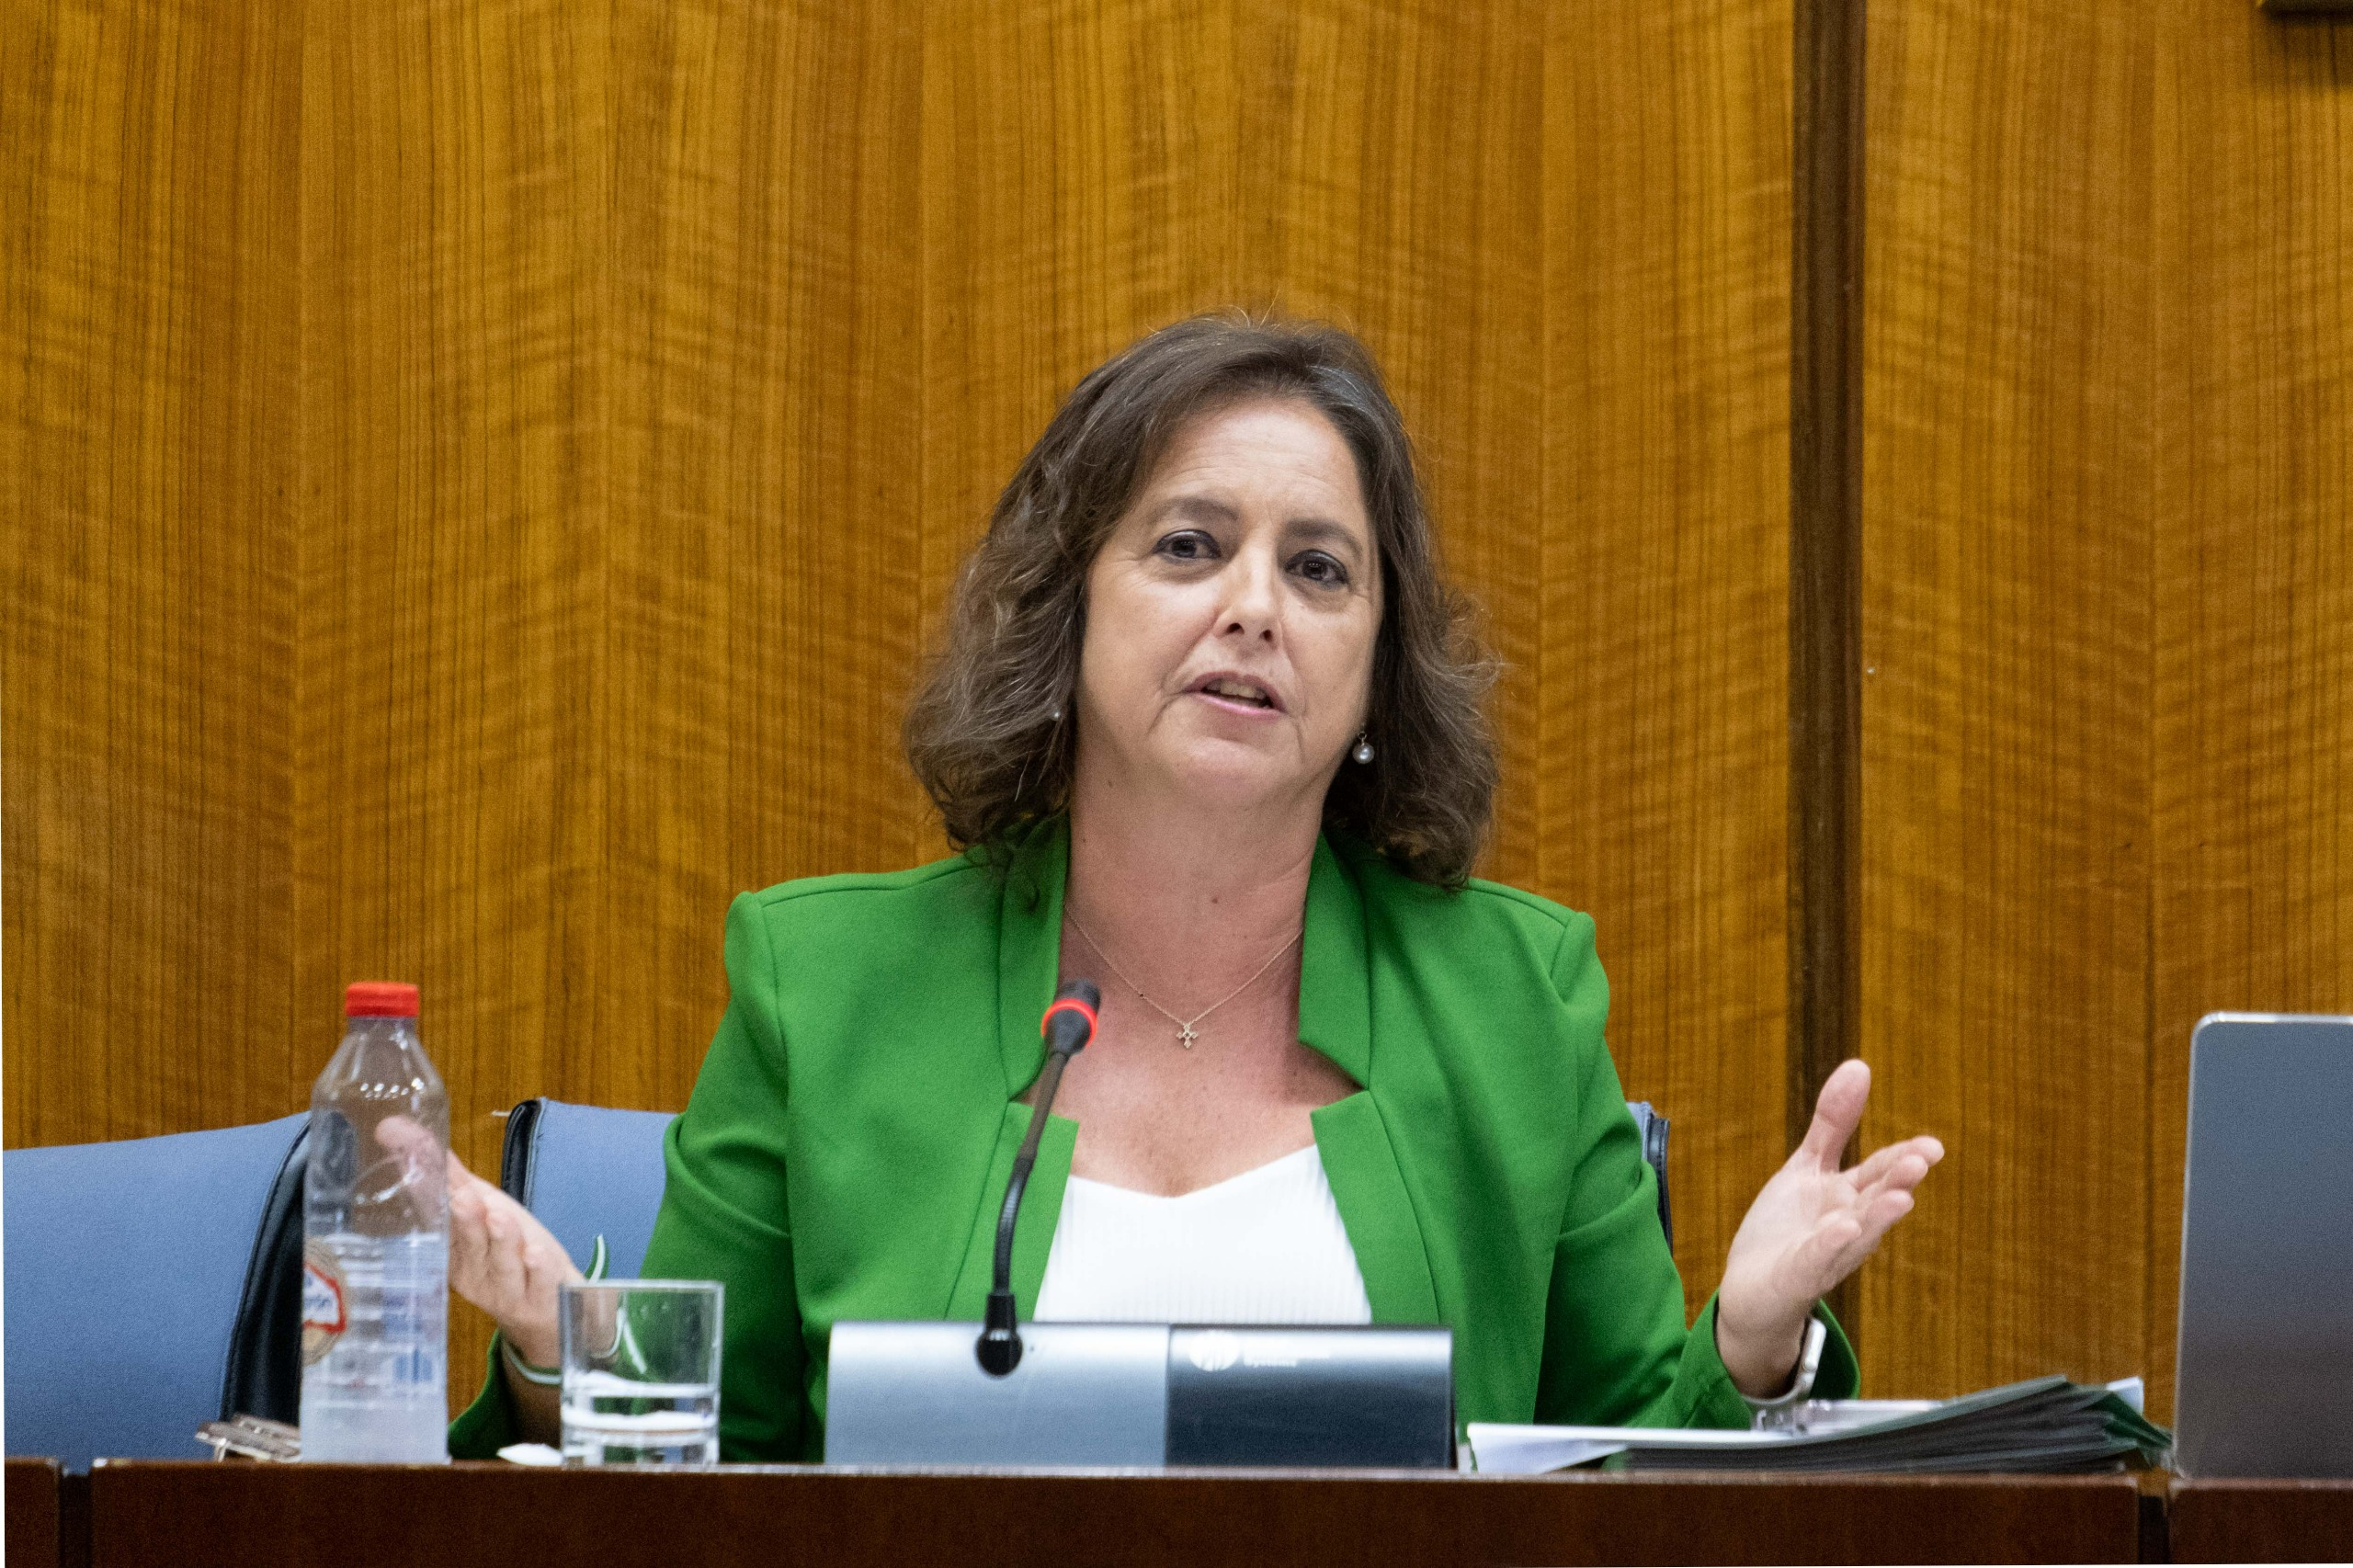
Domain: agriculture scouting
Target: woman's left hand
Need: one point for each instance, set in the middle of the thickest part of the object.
(1810, 1228)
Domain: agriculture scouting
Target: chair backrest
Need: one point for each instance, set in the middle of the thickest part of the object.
(587, 1171)
(128, 1265)
(1652, 1127)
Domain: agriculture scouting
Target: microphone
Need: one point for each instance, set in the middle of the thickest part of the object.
(1068, 1024)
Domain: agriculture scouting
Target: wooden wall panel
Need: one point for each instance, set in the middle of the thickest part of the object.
(2004, 841)
(759, 632)
(2106, 568)
(147, 261)
(2253, 575)
(610, 548)
(454, 533)
(455, 542)
(1663, 764)
(1092, 172)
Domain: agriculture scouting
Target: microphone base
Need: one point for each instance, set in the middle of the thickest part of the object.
(1142, 1395)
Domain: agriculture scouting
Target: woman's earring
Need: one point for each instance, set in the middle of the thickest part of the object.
(1363, 754)
(1054, 714)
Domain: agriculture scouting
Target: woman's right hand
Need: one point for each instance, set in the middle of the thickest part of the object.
(504, 1261)
(501, 1258)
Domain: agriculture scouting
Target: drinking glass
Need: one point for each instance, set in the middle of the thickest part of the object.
(640, 1372)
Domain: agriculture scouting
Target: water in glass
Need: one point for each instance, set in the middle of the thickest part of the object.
(640, 1372)
(609, 1419)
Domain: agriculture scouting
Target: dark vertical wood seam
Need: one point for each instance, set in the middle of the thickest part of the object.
(1826, 550)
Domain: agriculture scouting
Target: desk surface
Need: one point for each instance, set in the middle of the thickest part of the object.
(153, 1513)
(259, 1514)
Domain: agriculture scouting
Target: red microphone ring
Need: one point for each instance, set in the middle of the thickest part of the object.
(1072, 1003)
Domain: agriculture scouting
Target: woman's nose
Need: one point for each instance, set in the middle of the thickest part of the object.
(1253, 597)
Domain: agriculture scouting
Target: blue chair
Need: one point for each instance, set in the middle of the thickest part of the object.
(139, 1297)
(587, 1171)
(1652, 1127)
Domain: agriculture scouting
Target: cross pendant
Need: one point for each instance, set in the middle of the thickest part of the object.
(1184, 1036)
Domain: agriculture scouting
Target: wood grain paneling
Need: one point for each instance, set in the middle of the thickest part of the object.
(455, 541)
(147, 261)
(2106, 665)
(2005, 836)
(1092, 172)
(610, 544)
(764, 544)
(1662, 783)
(2254, 576)
(454, 533)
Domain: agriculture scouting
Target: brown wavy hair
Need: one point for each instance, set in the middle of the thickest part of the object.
(982, 735)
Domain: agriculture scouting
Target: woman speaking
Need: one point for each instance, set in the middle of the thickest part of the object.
(1208, 732)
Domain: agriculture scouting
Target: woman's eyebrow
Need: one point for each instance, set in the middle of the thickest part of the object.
(1324, 531)
(1198, 508)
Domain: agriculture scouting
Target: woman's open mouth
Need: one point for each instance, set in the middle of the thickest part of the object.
(1238, 692)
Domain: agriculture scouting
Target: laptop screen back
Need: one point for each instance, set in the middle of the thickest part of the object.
(2265, 1375)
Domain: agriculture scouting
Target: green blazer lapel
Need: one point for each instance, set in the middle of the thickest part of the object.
(1033, 1234)
(1375, 1209)
(1030, 948)
(1030, 927)
(1360, 1159)
(1335, 1017)
(1335, 968)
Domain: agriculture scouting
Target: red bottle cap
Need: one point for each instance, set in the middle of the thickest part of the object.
(378, 999)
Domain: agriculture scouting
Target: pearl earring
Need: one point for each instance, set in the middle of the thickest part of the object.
(1054, 714)
(1363, 754)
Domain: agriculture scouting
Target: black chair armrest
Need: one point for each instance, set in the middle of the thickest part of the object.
(264, 1376)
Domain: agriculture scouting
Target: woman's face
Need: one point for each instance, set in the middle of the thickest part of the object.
(1230, 615)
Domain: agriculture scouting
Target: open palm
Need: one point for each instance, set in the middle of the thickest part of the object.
(1810, 1227)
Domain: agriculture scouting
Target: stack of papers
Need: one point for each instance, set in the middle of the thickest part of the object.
(2045, 1425)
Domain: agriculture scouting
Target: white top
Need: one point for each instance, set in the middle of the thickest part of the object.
(1265, 1246)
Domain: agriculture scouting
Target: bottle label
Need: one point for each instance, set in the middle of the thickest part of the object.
(323, 1319)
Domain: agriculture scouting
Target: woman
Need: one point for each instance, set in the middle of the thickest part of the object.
(1208, 732)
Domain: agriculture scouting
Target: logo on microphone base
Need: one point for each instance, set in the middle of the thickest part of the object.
(1215, 1351)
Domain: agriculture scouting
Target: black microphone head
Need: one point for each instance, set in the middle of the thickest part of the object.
(1069, 1024)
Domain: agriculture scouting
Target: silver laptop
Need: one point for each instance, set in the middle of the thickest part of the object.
(2265, 1375)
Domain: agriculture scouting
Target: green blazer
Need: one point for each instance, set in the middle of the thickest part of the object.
(849, 1139)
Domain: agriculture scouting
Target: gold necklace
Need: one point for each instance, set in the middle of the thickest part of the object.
(1185, 1035)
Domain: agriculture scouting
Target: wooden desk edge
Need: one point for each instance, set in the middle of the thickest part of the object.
(2284, 1520)
(2121, 1481)
(35, 1500)
(2287, 1519)
(844, 1515)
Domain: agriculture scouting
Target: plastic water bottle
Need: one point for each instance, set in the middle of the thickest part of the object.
(376, 1243)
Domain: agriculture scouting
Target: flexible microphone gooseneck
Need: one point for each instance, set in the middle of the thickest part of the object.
(1068, 1024)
